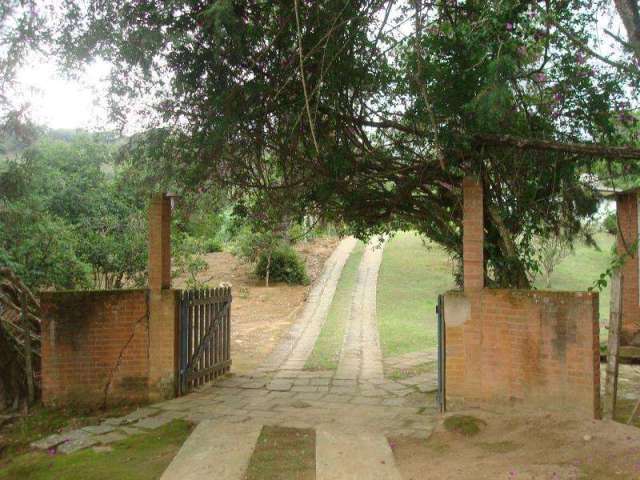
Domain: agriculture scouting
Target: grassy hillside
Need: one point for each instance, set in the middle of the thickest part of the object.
(414, 273)
(582, 268)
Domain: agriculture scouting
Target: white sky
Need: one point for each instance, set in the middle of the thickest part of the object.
(60, 102)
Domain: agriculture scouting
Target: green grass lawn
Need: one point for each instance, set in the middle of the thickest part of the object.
(326, 352)
(411, 277)
(582, 268)
(139, 457)
(283, 453)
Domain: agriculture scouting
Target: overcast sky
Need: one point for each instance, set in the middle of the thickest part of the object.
(58, 102)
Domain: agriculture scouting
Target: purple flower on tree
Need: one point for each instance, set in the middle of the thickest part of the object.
(509, 26)
(539, 35)
(540, 77)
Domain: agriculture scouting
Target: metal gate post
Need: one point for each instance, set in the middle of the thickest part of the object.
(441, 397)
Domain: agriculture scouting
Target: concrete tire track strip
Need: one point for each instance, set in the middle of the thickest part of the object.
(294, 349)
(361, 356)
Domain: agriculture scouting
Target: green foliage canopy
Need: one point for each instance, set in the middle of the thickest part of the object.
(67, 219)
(370, 111)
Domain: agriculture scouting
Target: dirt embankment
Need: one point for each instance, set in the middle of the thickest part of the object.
(514, 446)
(261, 315)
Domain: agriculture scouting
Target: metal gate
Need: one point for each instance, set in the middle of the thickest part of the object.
(441, 397)
(205, 328)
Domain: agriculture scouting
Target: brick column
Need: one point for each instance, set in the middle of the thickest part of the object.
(473, 233)
(627, 210)
(160, 242)
(163, 305)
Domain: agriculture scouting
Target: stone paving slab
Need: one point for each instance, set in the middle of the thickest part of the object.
(219, 451)
(98, 429)
(348, 456)
(49, 442)
(151, 423)
(139, 414)
(418, 379)
(77, 444)
(111, 437)
(280, 385)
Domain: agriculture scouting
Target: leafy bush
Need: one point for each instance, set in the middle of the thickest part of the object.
(212, 245)
(610, 223)
(187, 254)
(282, 265)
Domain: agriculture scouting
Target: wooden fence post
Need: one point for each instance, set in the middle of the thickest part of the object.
(613, 346)
(27, 350)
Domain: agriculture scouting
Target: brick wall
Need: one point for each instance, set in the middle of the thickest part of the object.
(95, 347)
(627, 207)
(529, 348)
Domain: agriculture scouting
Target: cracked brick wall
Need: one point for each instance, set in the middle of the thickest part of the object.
(95, 347)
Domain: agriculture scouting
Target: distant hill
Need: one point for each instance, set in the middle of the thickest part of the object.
(13, 141)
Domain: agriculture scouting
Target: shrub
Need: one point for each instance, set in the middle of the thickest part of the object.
(212, 245)
(610, 224)
(283, 265)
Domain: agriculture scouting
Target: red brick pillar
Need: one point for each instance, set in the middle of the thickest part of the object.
(627, 210)
(473, 233)
(160, 242)
(163, 304)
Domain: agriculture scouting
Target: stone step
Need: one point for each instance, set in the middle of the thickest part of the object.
(215, 450)
(354, 456)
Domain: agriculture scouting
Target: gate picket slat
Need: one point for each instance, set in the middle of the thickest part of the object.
(200, 332)
(217, 346)
(208, 318)
(190, 329)
(213, 311)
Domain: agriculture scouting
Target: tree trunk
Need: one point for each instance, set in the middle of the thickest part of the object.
(516, 274)
(630, 16)
(613, 345)
(268, 272)
(28, 358)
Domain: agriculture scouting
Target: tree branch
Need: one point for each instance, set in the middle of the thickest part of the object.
(584, 149)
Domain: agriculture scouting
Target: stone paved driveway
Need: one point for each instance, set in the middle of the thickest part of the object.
(312, 400)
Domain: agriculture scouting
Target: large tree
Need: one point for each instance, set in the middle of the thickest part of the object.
(371, 111)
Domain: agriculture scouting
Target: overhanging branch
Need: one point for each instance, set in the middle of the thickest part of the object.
(488, 139)
(583, 149)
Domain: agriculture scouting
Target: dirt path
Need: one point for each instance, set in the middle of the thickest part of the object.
(296, 346)
(361, 356)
